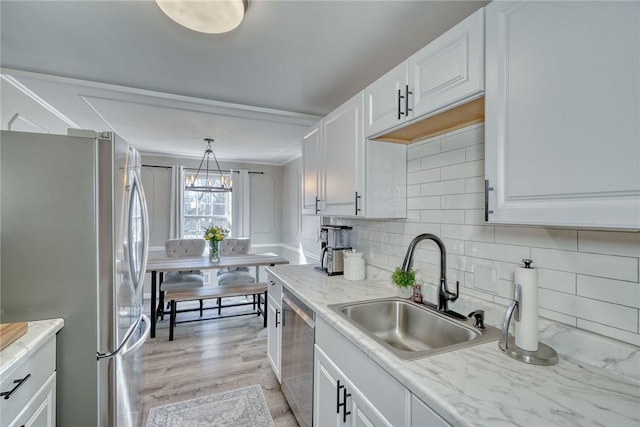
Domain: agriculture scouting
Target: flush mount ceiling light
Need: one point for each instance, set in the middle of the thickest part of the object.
(205, 16)
(210, 182)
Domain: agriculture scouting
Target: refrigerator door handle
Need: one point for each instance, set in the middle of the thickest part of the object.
(136, 345)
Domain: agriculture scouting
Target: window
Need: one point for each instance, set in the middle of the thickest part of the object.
(202, 210)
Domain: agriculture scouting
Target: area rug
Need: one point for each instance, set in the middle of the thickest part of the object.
(241, 407)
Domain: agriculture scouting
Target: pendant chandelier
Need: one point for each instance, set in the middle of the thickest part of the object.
(209, 175)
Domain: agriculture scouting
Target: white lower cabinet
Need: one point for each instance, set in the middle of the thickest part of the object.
(29, 390)
(274, 324)
(350, 389)
(41, 409)
(337, 401)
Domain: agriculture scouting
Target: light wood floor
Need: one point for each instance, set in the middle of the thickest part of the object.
(210, 357)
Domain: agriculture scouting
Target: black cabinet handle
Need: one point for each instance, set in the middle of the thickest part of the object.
(486, 200)
(317, 204)
(18, 383)
(345, 396)
(357, 208)
(277, 320)
(338, 388)
(406, 100)
(399, 104)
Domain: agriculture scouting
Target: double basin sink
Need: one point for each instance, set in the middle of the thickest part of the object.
(411, 331)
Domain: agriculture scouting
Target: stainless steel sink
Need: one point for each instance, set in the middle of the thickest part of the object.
(411, 331)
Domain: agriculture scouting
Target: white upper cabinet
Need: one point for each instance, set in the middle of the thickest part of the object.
(445, 73)
(562, 144)
(346, 175)
(311, 166)
(384, 101)
(343, 146)
(449, 70)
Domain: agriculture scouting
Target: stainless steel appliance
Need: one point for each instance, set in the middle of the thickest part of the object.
(334, 239)
(74, 245)
(296, 369)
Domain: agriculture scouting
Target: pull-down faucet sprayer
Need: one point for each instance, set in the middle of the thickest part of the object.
(444, 296)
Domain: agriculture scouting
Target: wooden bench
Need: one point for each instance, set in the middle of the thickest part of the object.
(218, 292)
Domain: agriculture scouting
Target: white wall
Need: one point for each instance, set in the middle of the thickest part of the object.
(299, 232)
(587, 279)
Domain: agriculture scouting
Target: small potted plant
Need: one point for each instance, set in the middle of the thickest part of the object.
(404, 280)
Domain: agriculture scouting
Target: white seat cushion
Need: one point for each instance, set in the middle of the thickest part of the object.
(235, 278)
(178, 281)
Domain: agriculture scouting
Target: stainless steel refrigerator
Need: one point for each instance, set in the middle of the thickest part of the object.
(74, 245)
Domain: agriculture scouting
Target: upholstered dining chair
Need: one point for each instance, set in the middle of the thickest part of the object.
(236, 275)
(182, 280)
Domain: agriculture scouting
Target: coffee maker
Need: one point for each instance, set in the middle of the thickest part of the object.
(335, 240)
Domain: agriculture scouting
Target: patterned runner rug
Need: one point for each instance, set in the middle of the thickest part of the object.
(241, 407)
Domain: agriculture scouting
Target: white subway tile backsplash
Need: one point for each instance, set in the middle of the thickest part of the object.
(555, 280)
(474, 185)
(615, 291)
(474, 216)
(480, 233)
(414, 165)
(463, 201)
(442, 216)
(414, 216)
(432, 202)
(466, 137)
(619, 334)
(558, 317)
(475, 152)
(431, 175)
(609, 266)
(424, 148)
(463, 170)
(456, 186)
(444, 159)
(493, 251)
(614, 243)
(538, 237)
(588, 309)
(414, 190)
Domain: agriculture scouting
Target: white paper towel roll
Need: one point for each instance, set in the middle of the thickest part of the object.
(527, 327)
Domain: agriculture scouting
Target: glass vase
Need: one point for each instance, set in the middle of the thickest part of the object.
(214, 250)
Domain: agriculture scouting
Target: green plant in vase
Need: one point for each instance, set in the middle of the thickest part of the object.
(214, 235)
(404, 280)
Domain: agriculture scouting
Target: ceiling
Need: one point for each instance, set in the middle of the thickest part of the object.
(124, 65)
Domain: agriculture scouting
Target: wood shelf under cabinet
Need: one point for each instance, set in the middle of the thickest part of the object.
(458, 117)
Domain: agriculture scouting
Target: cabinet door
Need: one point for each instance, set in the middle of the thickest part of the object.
(274, 334)
(41, 409)
(423, 416)
(343, 152)
(448, 70)
(311, 179)
(326, 392)
(384, 106)
(362, 412)
(563, 113)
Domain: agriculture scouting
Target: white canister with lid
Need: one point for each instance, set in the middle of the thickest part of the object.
(353, 265)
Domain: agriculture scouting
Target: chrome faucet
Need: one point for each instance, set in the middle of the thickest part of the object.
(444, 296)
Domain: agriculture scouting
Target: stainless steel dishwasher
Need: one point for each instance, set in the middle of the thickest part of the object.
(298, 338)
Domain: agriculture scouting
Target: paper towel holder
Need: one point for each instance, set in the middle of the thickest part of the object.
(544, 356)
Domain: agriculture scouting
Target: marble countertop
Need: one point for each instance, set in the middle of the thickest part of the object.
(479, 386)
(38, 333)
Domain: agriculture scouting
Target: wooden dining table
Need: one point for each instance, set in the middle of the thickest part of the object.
(162, 265)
